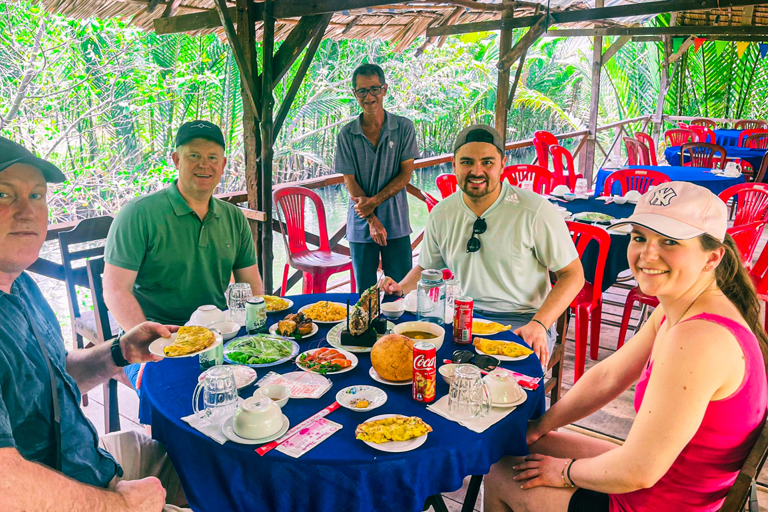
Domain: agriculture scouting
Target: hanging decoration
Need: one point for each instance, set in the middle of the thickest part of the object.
(763, 49)
(720, 46)
(677, 42)
(697, 42)
(741, 47)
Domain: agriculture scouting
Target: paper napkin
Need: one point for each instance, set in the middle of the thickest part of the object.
(478, 425)
(210, 426)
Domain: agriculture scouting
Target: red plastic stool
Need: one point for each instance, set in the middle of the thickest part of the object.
(634, 295)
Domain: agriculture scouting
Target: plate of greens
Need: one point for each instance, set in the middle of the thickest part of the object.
(593, 218)
(260, 350)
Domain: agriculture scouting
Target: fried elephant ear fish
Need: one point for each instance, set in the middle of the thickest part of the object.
(395, 428)
(189, 340)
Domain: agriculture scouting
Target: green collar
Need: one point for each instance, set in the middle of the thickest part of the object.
(180, 206)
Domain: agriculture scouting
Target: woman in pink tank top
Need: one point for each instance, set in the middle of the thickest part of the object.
(699, 364)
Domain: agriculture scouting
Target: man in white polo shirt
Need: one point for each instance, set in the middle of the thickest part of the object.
(501, 242)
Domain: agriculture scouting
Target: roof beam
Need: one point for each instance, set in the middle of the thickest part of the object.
(682, 50)
(657, 31)
(523, 44)
(581, 15)
(614, 48)
(294, 44)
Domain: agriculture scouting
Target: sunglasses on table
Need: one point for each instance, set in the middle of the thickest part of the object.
(478, 228)
(484, 362)
(375, 90)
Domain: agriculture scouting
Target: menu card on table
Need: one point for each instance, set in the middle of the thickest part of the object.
(302, 384)
(309, 437)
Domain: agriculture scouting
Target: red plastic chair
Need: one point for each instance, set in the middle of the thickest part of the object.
(446, 184)
(747, 133)
(588, 304)
(430, 200)
(680, 137)
(759, 275)
(634, 179)
(543, 180)
(648, 141)
(749, 124)
(316, 264)
(562, 160)
(704, 122)
(750, 201)
(637, 152)
(682, 125)
(702, 154)
(541, 142)
(634, 295)
(704, 134)
(746, 237)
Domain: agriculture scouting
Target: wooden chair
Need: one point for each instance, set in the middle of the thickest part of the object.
(704, 122)
(702, 154)
(746, 124)
(634, 179)
(542, 141)
(763, 167)
(95, 268)
(543, 180)
(757, 141)
(747, 133)
(680, 137)
(745, 488)
(648, 141)
(556, 363)
(637, 152)
(85, 232)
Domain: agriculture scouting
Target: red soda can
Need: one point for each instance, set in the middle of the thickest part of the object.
(462, 320)
(424, 371)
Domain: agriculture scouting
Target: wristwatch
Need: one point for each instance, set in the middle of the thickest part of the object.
(117, 354)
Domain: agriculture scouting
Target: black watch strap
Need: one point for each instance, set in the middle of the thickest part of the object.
(117, 354)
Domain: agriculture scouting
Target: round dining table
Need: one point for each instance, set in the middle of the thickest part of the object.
(341, 473)
(753, 156)
(698, 175)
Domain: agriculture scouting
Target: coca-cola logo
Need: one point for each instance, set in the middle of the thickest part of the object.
(422, 363)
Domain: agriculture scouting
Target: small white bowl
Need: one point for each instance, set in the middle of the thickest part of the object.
(632, 195)
(207, 315)
(393, 310)
(257, 417)
(227, 328)
(560, 190)
(423, 326)
(446, 371)
(569, 196)
(278, 394)
(620, 200)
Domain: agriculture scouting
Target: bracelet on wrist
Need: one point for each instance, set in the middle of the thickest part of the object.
(566, 481)
(541, 324)
(568, 473)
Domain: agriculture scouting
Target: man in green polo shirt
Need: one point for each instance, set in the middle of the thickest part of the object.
(174, 250)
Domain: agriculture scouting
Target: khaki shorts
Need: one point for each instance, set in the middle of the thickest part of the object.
(140, 456)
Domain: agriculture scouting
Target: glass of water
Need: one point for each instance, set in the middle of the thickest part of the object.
(237, 295)
(219, 391)
(469, 396)
(581, 187)
(452, 291)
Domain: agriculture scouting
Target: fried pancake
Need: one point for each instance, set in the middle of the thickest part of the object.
(501, 348)
(189, 340)
(395, 428)
(486, 328)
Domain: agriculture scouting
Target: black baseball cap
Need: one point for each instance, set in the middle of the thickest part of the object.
(199, 130)
(479, 133)
(13, 153)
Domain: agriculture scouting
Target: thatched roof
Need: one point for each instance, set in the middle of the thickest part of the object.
(724, 17)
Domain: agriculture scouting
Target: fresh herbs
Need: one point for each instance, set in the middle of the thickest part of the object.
(259, 349)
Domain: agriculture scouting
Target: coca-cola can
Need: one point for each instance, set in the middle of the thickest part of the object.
(424, 371)
(462, 320)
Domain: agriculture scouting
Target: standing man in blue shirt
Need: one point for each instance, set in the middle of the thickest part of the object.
(375, 153)
(51, 457)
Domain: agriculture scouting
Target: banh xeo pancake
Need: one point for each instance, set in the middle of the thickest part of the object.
(501, 348)
(395, 428)
(190, 339)
(486, 328)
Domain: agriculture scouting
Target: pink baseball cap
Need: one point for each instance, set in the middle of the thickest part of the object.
(680, 210)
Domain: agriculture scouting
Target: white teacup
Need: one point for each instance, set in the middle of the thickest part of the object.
(504, 388)
(207, 315)
(257, 417)
(560, 190)
(393, 310)
(278, 394)
(633, 195)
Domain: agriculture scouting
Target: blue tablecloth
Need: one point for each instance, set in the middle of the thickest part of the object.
(617, 253)
(697, 175)
(341, 473)
(726, 138)
(753, 156)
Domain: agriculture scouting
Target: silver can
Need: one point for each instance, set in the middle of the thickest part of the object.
(256, 315)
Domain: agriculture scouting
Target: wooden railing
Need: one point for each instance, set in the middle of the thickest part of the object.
(56, 271)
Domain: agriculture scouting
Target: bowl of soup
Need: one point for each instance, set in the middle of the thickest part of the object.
(422, 331)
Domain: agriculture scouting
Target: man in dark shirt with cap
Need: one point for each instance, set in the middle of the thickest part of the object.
(50, 455)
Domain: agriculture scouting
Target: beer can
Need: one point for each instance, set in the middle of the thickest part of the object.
(424, 371)
(256, 315)
(462, 320)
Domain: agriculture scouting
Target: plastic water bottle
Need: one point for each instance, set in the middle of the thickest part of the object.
(430, 297)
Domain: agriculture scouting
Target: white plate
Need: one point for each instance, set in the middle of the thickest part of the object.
(262, 365)
(375, 376)
(304, 308)
(243, 375)
(349, 355)
(286, 299)
(504, 358)
(157, 346)
(315, 328)
(375, 396)
(334, 339)
(228, 429)
(396, 446)
(513, 403)
(483, 321)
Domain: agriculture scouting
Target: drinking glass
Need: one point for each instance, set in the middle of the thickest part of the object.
(469, 396)
(452, 291)
(581, 187)
(219, 393)
(237, 295)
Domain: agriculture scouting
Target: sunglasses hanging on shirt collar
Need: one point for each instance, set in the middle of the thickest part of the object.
(478, 228)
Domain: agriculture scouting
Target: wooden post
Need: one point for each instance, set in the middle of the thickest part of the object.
(267, 141)
(516, 83)
(594, 103)
(663, 83)
(502, 89)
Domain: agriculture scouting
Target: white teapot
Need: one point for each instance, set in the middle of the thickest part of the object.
(732, 169)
